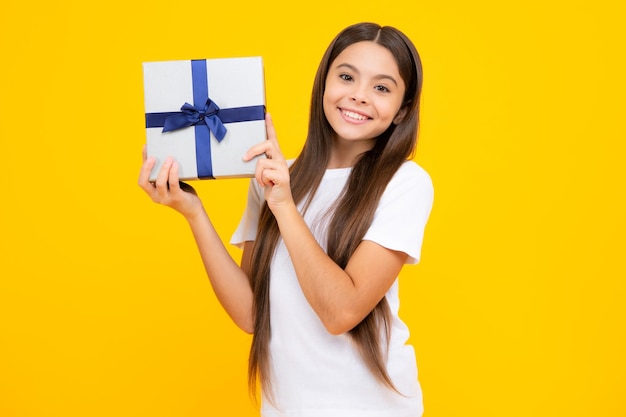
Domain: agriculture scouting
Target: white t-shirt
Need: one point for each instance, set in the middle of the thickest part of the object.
(314, 373)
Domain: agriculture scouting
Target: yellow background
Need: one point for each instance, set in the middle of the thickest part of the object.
(518, 307)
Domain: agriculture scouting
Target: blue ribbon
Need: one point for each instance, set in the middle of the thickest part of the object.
(191, 116)
(205, 116)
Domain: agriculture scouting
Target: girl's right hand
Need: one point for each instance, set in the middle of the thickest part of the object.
(167, 189)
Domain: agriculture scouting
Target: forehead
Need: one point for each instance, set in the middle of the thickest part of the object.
(369, 58)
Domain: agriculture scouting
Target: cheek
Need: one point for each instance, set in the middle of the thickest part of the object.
(327, 105)
(325, 100)
(394, 109)
(330, 93)
(335, 91)
(389, 112)
(331, 98)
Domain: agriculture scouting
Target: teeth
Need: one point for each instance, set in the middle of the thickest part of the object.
(354, 115)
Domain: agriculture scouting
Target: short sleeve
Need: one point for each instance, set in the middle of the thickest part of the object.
(247, 228)
(403, 211)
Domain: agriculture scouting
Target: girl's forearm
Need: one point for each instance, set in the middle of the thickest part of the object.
(230, 283)
(327, 287)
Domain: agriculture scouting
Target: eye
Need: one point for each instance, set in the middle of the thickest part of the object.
(345, 77)
(382, 88)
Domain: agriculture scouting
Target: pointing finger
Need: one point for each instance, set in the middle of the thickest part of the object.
(269, 127)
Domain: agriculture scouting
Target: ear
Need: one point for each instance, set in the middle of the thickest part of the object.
(400, 115)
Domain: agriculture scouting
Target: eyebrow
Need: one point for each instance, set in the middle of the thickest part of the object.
(379, 76)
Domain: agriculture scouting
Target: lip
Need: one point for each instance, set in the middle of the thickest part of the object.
(343, 110)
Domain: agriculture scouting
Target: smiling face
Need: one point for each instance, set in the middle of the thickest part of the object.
(363, 93)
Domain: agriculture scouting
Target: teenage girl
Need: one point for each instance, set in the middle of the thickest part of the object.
(325, 236)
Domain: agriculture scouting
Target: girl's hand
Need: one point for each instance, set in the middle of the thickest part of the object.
(272, 172)
(167, 189)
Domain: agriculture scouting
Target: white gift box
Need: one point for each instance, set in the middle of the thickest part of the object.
(214, 110)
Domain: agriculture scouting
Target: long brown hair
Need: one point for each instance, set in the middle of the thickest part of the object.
(355, 209)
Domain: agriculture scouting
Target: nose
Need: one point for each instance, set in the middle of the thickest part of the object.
(358, 95)
(358, 99)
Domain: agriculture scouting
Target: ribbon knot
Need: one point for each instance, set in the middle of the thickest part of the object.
(191, 116)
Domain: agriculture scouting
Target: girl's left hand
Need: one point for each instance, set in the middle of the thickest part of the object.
(272, 172)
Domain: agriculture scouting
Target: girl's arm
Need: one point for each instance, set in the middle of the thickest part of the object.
(340, 297)
(230, 282)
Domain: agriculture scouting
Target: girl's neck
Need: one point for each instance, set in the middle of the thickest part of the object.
(335, 163)
(344, 154)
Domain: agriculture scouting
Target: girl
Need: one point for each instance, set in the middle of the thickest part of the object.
(325, 237)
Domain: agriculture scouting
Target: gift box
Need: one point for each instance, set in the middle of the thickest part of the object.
(205, 114)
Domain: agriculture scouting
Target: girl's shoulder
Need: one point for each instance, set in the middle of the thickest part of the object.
(413, 174)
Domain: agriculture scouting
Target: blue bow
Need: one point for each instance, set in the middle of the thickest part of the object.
(191, 116)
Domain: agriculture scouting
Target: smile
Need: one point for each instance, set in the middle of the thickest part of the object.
(353, 115)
